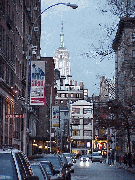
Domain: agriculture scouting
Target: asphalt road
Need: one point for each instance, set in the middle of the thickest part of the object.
(99, 171)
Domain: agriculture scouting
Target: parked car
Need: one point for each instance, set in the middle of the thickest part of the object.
(70, 162)
(15, 165)
(67, 166)
(96, 157)
(84, 158)
(52, 173)
(39, 171)
(56, 162)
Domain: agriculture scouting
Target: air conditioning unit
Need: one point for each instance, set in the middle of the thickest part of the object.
(30, 109)
(34, 48)
(23, 52)
(27, 130)
(34, 52)
(36, 29)
(35, 8)
(38, 57)
(28, 9)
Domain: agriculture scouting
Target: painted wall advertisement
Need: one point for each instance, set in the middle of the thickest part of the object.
(38, 77)
(55, 116)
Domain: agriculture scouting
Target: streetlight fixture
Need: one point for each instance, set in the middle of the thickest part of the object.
(73, 6)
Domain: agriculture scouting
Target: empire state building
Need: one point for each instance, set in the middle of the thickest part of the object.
(62, 60)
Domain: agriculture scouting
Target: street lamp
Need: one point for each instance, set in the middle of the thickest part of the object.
(74, 6)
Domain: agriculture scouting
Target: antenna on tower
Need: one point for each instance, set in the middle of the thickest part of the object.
(61, 36)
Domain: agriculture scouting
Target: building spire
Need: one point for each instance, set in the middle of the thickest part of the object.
(61, 36)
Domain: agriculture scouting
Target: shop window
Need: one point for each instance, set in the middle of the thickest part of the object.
(80, 144)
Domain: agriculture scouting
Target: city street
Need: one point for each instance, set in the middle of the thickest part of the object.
(96, 171)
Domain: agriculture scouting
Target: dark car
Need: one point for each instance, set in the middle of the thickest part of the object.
(56, 162)
(39, 171)
(70, 162)
(67, 166)
(52, 173)
(15, 165)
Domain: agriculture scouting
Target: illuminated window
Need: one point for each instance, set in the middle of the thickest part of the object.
(76, 133)
(62, 95)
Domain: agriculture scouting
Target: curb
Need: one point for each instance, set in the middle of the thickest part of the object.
(125, 168)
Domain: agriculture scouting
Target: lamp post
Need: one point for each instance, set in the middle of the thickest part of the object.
(74, 6)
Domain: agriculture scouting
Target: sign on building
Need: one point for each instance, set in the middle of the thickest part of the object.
(55, 116)
(38, 77)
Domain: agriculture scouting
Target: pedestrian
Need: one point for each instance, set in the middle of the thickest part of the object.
(125, 159)
(109, 155)
(130, 159)
(112, 157)
(120, 159)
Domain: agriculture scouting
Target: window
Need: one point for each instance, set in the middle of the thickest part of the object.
(87, 121)
(76, 133)
(133, 91)
(133, 53)
(66, 95)
(87, 133)
(76, 121)
(72, 95)
(62, 95)
(87, 110)
(66, 113)
(133, 37)
(80, 144)
(75, 110)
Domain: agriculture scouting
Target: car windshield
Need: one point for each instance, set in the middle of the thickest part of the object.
(37, 171)
(95, 154)
(67, 154)
(55, 161)
(7, 167)
(84, 156)
(47, 168)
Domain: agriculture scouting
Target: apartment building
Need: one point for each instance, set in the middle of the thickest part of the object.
(81, 126)
(16, 21)
(124, 47)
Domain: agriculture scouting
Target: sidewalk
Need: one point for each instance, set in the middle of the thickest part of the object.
(123, 166)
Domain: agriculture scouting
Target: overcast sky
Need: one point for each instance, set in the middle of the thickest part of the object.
(89, 29)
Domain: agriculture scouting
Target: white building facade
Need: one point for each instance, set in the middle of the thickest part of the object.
(81, 126)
